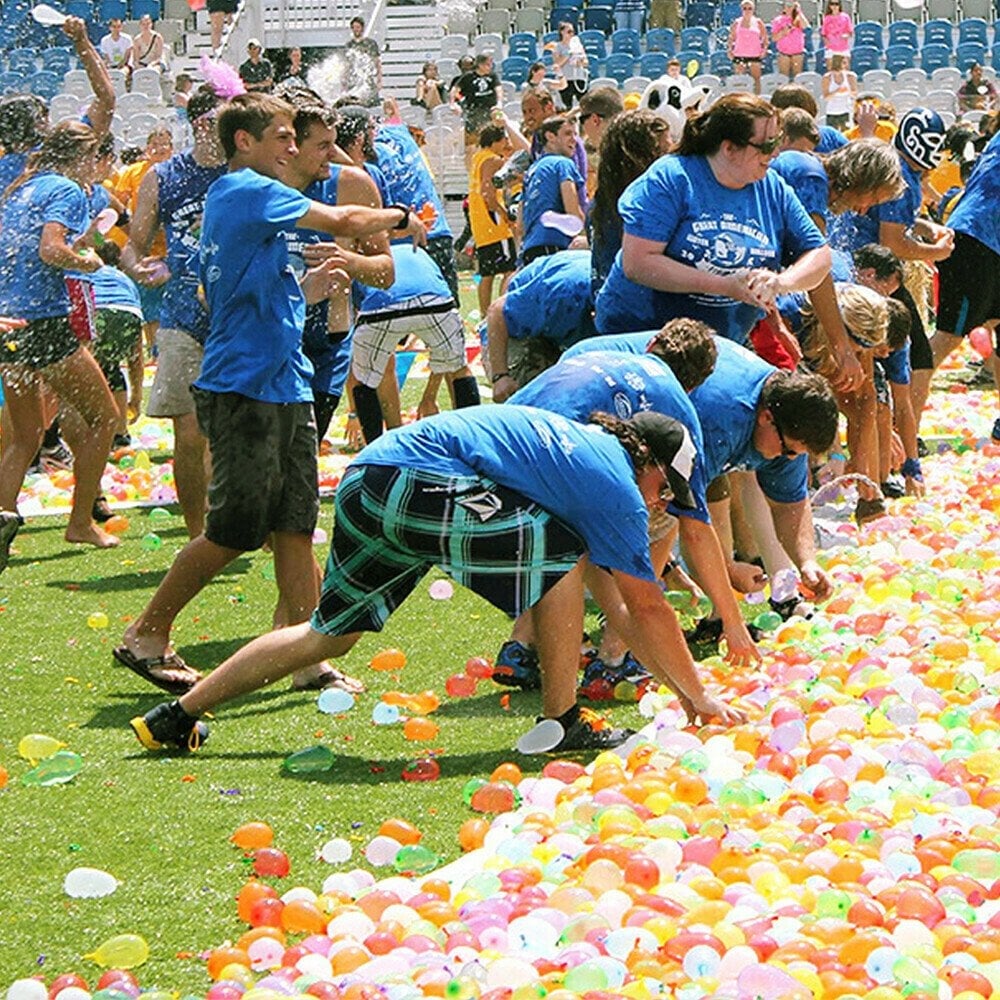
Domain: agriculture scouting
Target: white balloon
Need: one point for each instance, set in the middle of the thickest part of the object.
(336, 851)
(89, 883)
(44, 14)
(27, 989)
(73, 993)
(545, 736)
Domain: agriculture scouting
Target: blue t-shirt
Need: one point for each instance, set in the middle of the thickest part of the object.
(11, 167)
(551, 298)
(542, 194)
(29, 288)
(678, 202)
(113, 289)
(560, 464)
(978, 211)
(806, 176)
(853, 231)
(579, 157)
(182, 186)
(406, 174)
(256, 308)
(830, 138)
(726, 405)
(416, 274)
(622, 385)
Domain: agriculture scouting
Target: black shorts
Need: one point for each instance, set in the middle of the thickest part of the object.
(497, 258)
(118, 333)
(264, 475)
(969, 287)
(222, 6)
(441, 250)
(43, 342)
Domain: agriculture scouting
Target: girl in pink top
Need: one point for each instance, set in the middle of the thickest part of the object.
(837, 30)
(788, 30)
(748, 43)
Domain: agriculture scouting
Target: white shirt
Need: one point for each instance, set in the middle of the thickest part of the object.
(116, 51)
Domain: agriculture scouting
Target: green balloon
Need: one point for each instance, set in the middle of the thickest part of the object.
(55, 770)
(312, 760)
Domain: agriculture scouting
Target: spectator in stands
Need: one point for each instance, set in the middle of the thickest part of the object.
(491, 230)
(874, 118)
(257, 73)
(837, 31)
(552, 214)
(571, 63)
(479, 93)
(183, 87)
(295, 75)
(430, 87)
(116, 47)
(748, 43)
(788, 30)
(536, 74)
(362, 65)
(665, 14)
(630, 14)
(840, 88)
(148, 48)
(220, 13)
(465, 65)
(977, 93)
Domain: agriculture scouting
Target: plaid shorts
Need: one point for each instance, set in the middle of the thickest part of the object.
(434, 320)
(392, 525)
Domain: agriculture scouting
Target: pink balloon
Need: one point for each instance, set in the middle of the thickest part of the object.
(981, 339)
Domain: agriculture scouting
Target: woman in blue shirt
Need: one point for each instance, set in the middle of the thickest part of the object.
(43, 234)
(708, 232)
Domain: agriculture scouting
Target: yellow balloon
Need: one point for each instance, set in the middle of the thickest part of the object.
(124, 951)
(692, 67)
(38, 746)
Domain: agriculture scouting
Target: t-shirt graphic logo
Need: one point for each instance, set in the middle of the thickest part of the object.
(622, 405)
(483, 505)
(726, 252)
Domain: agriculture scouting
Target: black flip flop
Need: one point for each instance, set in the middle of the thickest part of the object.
(145, 667)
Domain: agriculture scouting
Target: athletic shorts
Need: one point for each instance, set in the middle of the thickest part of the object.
(82, 310)
(441, 250)
(392, 525)
(497, 258)
(970, 286)
(43, 342)
(152, 302)
(896, 365)
(118, 333)
(264, 475)
(178, 365)
(222, 6)
(434, 320)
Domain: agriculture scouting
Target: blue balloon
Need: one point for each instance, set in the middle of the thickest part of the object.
(334, 701)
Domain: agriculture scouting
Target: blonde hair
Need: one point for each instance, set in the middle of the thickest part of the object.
(866, 317)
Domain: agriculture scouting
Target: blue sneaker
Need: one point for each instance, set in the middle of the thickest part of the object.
(630, 669)
(517, 666)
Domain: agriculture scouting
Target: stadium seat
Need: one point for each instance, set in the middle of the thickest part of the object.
(523, 43)
(739, 83)
(865, 57)
(906, 10)
(148, 82)
(44, 84)
(903, 33)
(80, 8)
(23, 61)
(603, 81)
(719, 63)
(940, 100)
(695, 39)
(64, 106)
(653, 64)
(813, 82)
(938, 32)
(933, 56)
(947, 78)
(571, 15)
(995, 56)
(598, 18)
(876, 79)
(869, 33)
(454, 46)
(595, 44)
(912, 79)
(530, 19)
(982, 9)
(108, 10)
(973, 29)
(636, 84)
(947, 9)
(11, 83)
(489, 44)
(692, 62)
(968, 53)
(700, 14)
(58, 61)
(661, 40)
(494, 22)
(515, 69)
(900, 57)
(625, 40)
(906, 100)
(141, 7)
(620, 66)
(874, 10)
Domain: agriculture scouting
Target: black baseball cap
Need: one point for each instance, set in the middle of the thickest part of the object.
(671, 449)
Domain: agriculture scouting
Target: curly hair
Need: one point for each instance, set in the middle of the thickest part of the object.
(687, 347)
(630, 143)
(628, 437)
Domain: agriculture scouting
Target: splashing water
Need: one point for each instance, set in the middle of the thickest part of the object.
(327, 78)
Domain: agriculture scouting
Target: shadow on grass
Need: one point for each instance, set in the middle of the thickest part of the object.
(137, 580)
(486, 704)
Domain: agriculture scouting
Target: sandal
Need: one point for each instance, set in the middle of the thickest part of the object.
(869, 510)
(102, 512)
(330, 678)
(169, 673)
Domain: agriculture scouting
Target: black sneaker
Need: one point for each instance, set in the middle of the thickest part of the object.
(894, 487)
(708, 631)
(995, 433)
(517, 666)
(121, 441)
(58, 458)
(922, 450)
(169, 727)
(102, 511)
(10, 524)
(590, 732)
(793, 606)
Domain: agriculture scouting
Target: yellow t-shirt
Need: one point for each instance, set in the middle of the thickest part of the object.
(486, 228)
(125, 187)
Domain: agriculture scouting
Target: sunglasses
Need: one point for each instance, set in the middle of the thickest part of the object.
(768, 146)
(786, 452)
(666, 494)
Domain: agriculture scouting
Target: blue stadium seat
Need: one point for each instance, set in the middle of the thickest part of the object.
(695, 39)
(155, 9)
(23, 61)
(625, 40)
(973, 29)
(523, 43)
(12, 83)
(58, 60)
(44, 84)
(864, 58)
(661, 40)
(869, 33)
(938, 32)
(653, 64)
(719, 63)
(559, 14)
(700, 14)
(108, 9)
(599, 18)
(995, 56)
(595, 43)
(619, 66)
(688, 56)
(969, 52)
(903, 33)
(731, 10)
(80, 8)
(933, 57)
(515, 70)
(899, 57)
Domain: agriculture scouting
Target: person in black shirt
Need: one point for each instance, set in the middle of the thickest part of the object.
(256, 73)
(478, 93)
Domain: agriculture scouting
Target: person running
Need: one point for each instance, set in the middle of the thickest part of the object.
(502, 500)
(253, 398)
(171, 198)
(44, 233)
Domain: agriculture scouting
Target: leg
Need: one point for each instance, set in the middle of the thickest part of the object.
(485, 293)
(197, 563)
(218, 20)
(23, 427)
(192, 471)
(761, 523)
(558, 623)
(755, 75)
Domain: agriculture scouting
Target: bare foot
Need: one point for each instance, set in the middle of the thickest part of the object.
(91, 535)
(323, 675)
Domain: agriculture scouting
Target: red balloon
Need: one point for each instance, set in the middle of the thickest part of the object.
(981, 340)
(113, 977)
(460, 686)
(423, 769)
(271, 861)
(478, 667)
(266, 912)
(67, 979)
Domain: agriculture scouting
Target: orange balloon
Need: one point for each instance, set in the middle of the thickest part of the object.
(255, 933)
(348, 959)
(420, 730)
(472, 833)
(301, 916)
(401, 830)
(437, 887)
(116, 525)
(250, 894)
(250, 836)
(507, 772)
(224, 956)
(388, 659)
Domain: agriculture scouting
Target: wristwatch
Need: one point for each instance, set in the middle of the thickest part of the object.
(405, 220)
